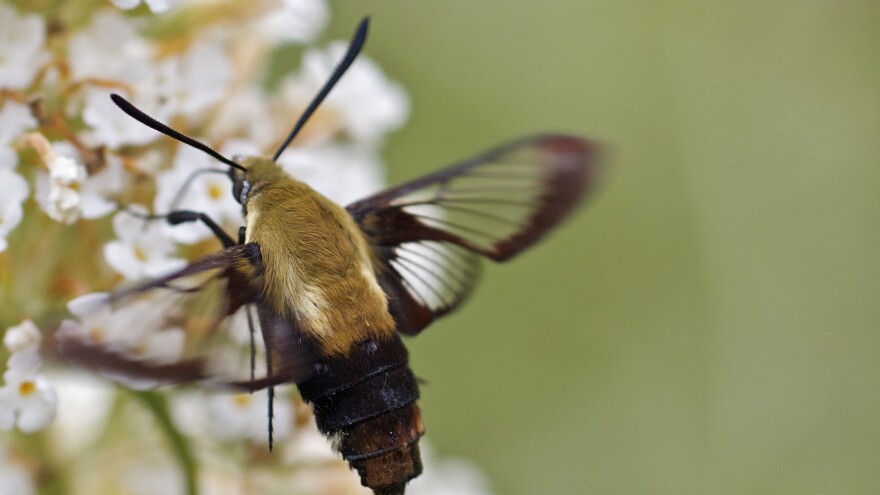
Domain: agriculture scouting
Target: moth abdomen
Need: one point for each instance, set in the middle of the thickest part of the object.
(374, 396)
(366, 403)
(388, 474)
(384, 449)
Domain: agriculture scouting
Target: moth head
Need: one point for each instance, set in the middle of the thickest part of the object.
(255, 172)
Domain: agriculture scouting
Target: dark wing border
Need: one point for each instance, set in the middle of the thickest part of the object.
(552, 172)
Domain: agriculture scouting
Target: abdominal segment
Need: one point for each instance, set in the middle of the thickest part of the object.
(365, 403)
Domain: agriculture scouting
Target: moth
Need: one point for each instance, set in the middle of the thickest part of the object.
(332, 289)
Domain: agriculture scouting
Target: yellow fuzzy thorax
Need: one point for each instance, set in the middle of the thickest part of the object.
(317, 263)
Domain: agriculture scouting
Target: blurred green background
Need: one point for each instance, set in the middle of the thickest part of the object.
(710, 323)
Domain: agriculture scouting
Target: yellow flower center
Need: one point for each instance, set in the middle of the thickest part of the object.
(242, 400)
(26, 388)
(215, 191)
(140, 254)
(139, 349)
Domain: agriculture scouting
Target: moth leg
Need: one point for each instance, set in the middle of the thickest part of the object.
(251, 332)
(266, 322)
(177, 217)
(182, 216)
(266, 382)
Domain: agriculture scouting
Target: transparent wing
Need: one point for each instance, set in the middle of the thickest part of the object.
(429, 233)
(205, 322)
(425, 280)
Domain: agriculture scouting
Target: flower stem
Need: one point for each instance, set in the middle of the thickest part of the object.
(158, 406)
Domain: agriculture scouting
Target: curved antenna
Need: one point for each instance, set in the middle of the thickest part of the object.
(357, 42)
(148, 121)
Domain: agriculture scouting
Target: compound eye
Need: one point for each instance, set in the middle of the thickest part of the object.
(240, 190)
(237, 186)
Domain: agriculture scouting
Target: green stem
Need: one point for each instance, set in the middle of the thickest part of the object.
(158, 405)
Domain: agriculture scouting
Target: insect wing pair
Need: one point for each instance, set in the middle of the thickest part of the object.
(427, 236)
(331, 289)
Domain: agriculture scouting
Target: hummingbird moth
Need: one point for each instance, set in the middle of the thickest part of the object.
(333, 288)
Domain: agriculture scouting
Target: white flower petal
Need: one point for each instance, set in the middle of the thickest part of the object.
(13, 187)
(367, 103)
(25, 336)
(21, 47)
(126, 226)
(192, 82)
(30, 397)
(159, 6)
(113, 127)
(165, 346)
(155, 6)
(60, 195)
(342, 173)
(229, 415)
(109, 48)
(309, 446)
(163, 266)
(8, 157)
(37, 409)
(14, 479)
(87, 304)
(23, 363)
(11, 214)
(209, 193)
(298, 21)
(99, 188)
(143, 249)
(72, 431)
(122, 259)
(244, 113)
(243, 416)
(7, 409)
(94, 206)
(15, 118)
(67, 171)
(126, 4)
(63, 205)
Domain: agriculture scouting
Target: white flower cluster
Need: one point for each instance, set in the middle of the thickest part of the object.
(27, 400)
(15, 119)
(22, 47)
(210, 85)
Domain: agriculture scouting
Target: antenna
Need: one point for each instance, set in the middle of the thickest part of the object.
(357, 42)
(148, 121)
